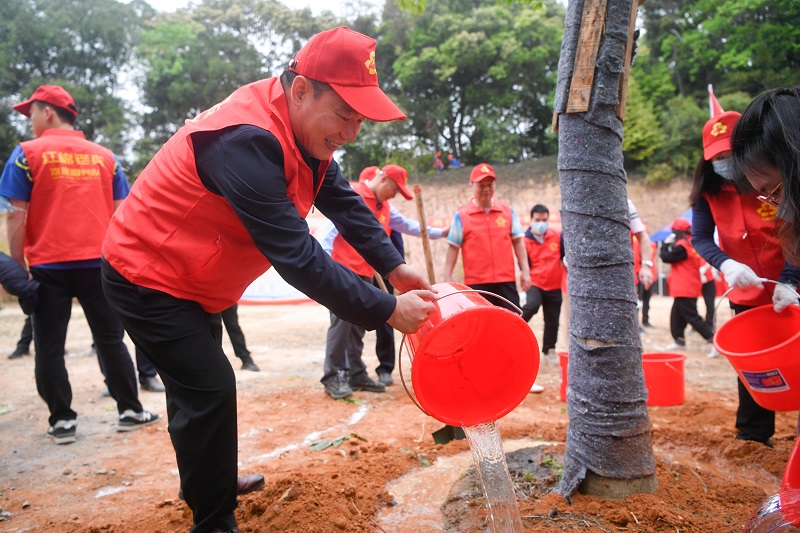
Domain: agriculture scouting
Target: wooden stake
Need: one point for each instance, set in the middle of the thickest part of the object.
(423, 228)
(593, 21)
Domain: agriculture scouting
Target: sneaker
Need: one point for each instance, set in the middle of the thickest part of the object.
(248, 364)
(675, 346)
(337, 388)
(713, 353)
(129, 421)
(385, 378)
(152, 384)
(365, 383)
(536, 389)
(19, 352)
(63, 432)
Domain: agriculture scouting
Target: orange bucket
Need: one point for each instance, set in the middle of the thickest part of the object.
(663, 376)
(762, 346)
(471, 362)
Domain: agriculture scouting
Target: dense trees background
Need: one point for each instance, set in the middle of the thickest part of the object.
(476, 77)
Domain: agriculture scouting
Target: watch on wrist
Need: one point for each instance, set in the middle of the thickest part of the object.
(647, 263)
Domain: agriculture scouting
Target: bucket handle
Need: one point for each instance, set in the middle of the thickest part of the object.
(411, 355)
(763, 280)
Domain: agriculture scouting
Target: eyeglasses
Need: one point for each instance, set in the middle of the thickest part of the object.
(771, 198)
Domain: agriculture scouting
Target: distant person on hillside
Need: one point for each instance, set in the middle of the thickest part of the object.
(438, 164)
(453, 162)
(748, 229)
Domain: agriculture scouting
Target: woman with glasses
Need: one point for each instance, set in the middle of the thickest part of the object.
(748, 249)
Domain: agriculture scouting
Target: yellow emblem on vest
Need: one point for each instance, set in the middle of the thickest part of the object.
(382, 219)
(500, 221)
(767, 211)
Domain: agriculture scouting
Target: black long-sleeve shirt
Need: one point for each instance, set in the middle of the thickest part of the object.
(245, 165)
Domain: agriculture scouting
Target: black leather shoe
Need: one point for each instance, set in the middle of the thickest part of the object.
(248, 364)
(152, 384)
(244, 484)
(19, 352)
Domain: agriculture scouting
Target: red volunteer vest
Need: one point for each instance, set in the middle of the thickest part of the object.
(747, 229)
(72, 199)
(684, 277)
(545, 261)
(487, 251)
(174, 235)
(342, 251)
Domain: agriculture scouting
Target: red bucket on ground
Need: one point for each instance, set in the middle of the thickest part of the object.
(472, 362)
(663, 376)
(764, 348)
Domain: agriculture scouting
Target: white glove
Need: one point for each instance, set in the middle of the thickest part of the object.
(783, 297)
(739, 276)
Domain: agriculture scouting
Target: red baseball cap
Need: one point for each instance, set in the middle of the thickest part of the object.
(717, 134)
(368, 173)
(681, 224)
(345, 60)
(480, 172)
(50, 94)
(399, 175)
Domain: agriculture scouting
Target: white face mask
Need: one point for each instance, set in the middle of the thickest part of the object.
(539, 228)
(723, 168)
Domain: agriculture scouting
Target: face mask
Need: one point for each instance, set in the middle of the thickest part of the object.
(539, 228)
(723, 168)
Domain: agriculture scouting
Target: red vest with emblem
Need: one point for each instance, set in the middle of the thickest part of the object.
(747, 229)
(174, 235)
(684, 277)
(72, 198)
(342, 251)
(545, 261)
(487, 250)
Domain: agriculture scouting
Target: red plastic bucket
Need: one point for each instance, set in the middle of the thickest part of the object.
(763, 347)
(563, 362)
(663, 376)
(471, 362)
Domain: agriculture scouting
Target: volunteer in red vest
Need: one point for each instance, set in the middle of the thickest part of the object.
(489, 236)
(345, 371)
(684, 285)
(749, 247)
(64, 190)
(223, 200)
(545, 249)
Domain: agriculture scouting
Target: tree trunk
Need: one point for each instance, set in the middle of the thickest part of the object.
(608, 451)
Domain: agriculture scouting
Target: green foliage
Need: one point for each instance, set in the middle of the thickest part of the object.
(643, 134)
(682, 124)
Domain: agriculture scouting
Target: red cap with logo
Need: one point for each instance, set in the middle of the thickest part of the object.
(50, 94)
(482, 171)
(681, 224)
(717, 134)
(345, 60)
(399, 175)
(368, 173)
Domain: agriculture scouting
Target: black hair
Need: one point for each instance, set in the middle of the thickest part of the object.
(64, 115)
(768, 135)
(288, 76)
(539, 208)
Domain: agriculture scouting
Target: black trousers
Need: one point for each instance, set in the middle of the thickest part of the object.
(644, 296)
(710, 299)
(50, 320)
(144, 366)
(506, 289)
(26, 336)
(384, 342)
(684, 312)
(550, 302)
(230, 317)
(200, 388)
(753, 422)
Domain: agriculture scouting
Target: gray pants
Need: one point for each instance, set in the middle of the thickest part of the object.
(343, 349)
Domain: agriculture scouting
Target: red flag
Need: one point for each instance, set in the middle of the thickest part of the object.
(713, 106)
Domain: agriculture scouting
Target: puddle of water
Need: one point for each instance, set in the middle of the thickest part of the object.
(421, 493)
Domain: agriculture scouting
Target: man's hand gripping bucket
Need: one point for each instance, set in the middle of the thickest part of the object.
(471, 362)
(764, 348)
